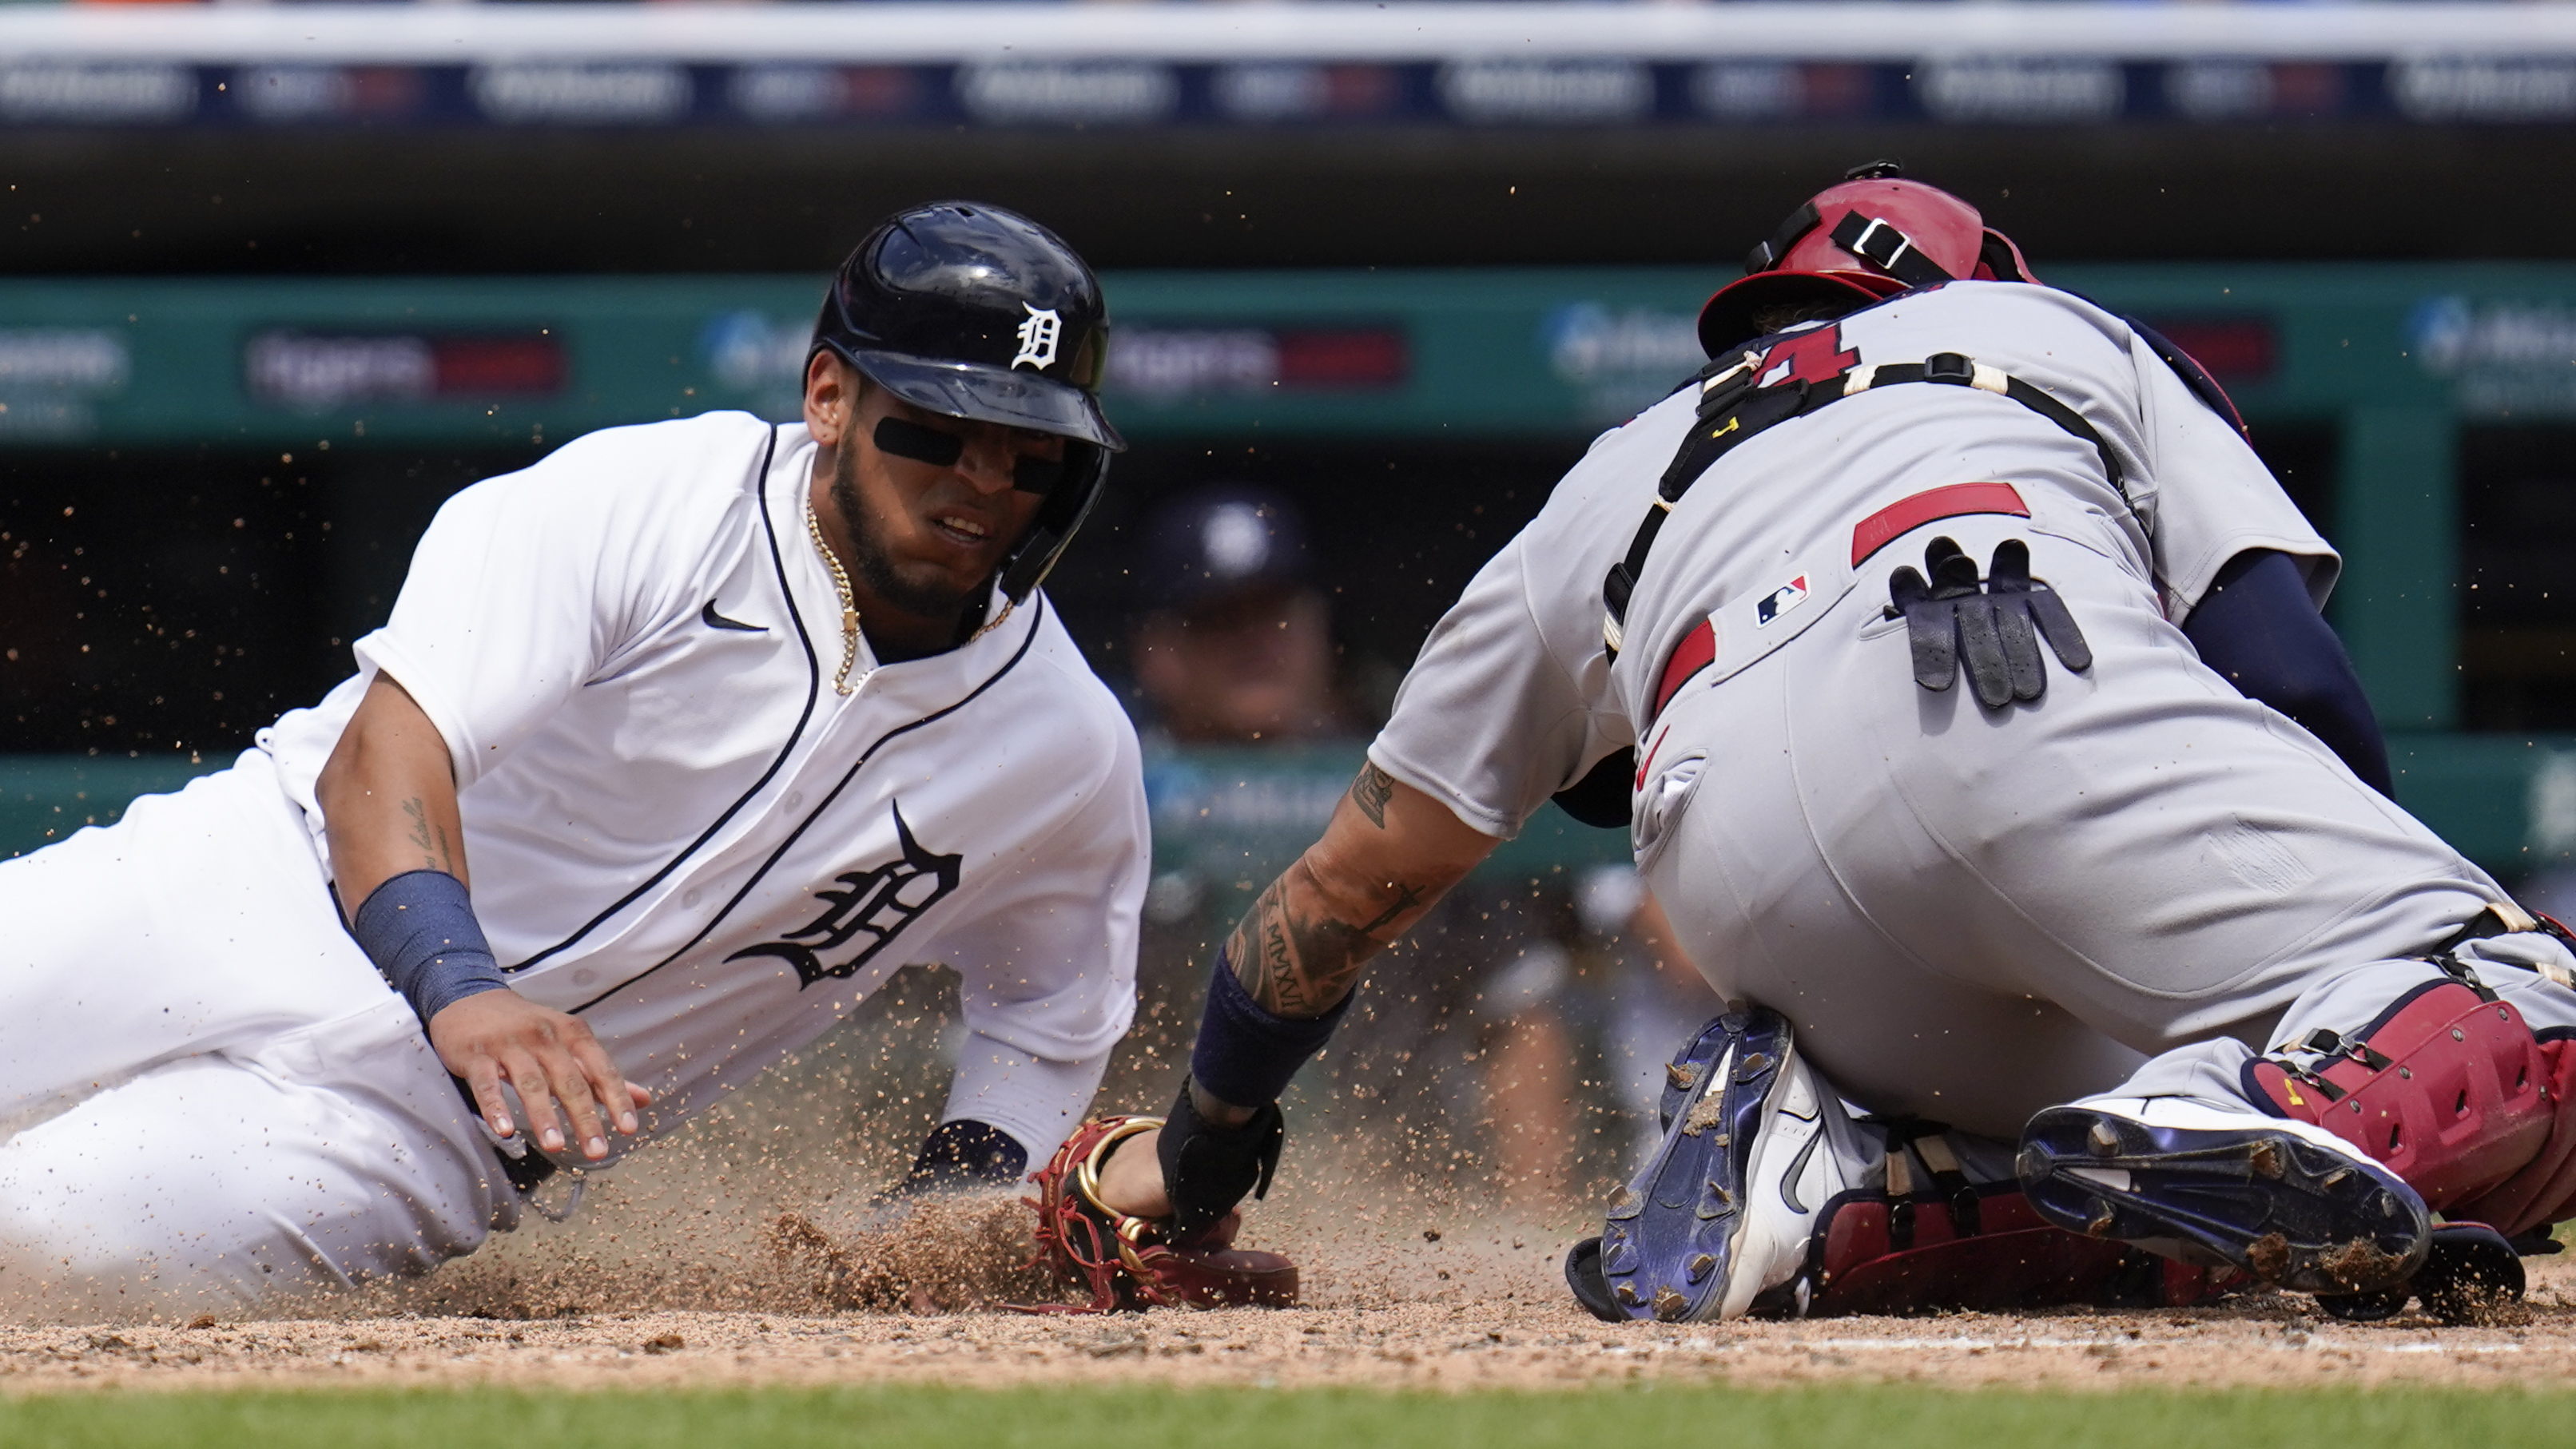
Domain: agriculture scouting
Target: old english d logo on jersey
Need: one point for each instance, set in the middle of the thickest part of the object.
(873, 909)
(1781, 600)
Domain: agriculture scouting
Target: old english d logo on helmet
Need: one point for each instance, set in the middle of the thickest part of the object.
(973, 311)
(1038, 337)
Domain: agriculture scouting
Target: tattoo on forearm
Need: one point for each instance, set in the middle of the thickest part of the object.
(1371, 791)
(1406, 898)
(1300, 965)
(1279, 986)
(435, 853)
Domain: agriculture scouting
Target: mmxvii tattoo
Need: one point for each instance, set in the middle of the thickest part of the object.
(1299, 965)
(1371, 791)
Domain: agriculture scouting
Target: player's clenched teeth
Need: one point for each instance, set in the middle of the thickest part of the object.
(961, 528)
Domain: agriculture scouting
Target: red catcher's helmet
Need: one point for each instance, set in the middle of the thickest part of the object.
(1872, 236)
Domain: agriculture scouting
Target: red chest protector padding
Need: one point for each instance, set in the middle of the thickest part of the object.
(2448, 1089)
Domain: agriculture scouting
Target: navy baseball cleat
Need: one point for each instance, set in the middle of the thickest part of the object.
(1725, 1206)
(2292, 1204)
(1688, 1070)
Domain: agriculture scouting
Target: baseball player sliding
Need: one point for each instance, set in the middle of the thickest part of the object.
(677, 744)
(1959, 666)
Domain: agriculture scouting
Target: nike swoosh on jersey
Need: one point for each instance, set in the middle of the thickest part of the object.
(715, 620)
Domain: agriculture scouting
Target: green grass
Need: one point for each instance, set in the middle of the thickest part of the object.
(1664, 1417)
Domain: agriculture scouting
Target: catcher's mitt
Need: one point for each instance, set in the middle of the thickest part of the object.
(1124, 1262)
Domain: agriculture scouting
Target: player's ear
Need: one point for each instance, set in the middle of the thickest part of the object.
(832, 388)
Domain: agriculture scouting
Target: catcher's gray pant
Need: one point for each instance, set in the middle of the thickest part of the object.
(207, 1093)
(2132, 884)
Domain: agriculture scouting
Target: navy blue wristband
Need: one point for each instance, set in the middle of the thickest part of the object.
(420, 931)
(1245, 1055)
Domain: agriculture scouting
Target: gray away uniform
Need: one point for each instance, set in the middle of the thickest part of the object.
(2132, 884)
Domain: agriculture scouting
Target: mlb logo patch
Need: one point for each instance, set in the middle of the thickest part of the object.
(1788, 596)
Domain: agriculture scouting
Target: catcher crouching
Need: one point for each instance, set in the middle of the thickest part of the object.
(2080, 952)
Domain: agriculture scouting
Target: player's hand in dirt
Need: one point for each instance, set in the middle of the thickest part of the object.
(551, 1060)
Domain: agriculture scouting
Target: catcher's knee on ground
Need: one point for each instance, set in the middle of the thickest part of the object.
(2458, 1081)
(209, 1185)
(2390, 1090)
(2463, 1084)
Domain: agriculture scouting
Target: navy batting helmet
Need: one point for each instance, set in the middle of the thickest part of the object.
(973, 311)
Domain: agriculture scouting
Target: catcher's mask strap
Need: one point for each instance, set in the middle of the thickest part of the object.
(1767, 254)
(1888, 249)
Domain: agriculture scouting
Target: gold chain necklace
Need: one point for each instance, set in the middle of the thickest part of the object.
(850, 603)
(1007, 606)
(841, 583)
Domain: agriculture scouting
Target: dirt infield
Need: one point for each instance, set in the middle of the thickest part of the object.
(673, 1273)
(1381, 1316)
(1477, 1344)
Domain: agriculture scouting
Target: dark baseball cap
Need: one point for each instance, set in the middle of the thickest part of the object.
(1219, 541)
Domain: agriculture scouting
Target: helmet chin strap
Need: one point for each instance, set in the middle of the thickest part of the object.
(1084, 469)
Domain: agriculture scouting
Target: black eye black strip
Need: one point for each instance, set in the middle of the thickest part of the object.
(1036, 475)
(925, 445)
(942, 450)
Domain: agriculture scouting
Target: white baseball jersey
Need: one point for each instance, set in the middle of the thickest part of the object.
(677, 828)
(1514, 698)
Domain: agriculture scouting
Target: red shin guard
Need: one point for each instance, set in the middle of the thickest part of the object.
(1874, 1255)
(2447, 1089)
(2544, 1191)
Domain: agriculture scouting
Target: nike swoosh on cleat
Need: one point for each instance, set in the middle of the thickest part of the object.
(1797, 1169)
(715, 620)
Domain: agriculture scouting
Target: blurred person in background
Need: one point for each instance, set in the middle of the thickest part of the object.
(1233, 647)
(1235, 644)
(1654, 994)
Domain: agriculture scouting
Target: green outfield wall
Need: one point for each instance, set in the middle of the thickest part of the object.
(2389, 364)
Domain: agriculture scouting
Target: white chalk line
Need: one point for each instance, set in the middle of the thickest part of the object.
(2310, 1344)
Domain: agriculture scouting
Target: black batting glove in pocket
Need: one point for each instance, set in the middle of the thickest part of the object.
(1994, 624)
